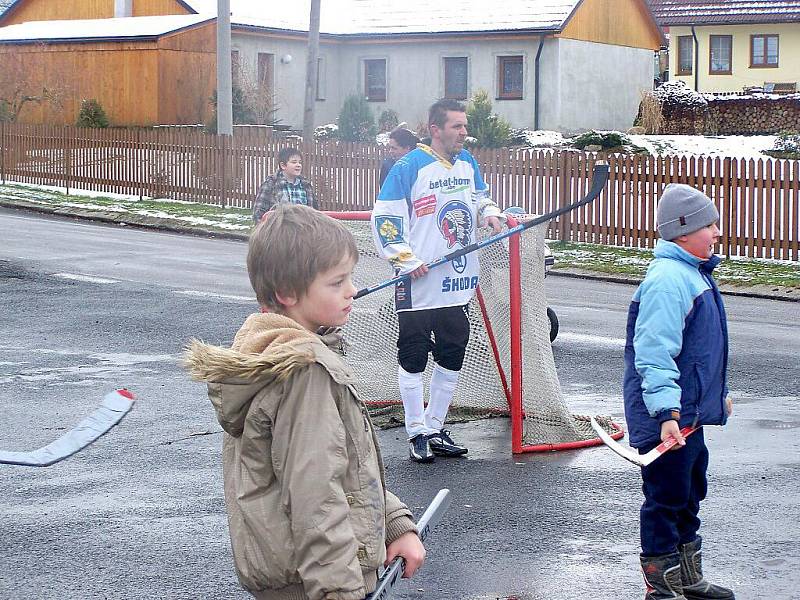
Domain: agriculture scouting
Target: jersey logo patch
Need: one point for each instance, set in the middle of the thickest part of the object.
(425, 206)
(390, 229)
(455, 223)
(459, 264)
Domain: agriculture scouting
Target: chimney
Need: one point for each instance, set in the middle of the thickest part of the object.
(123, 8)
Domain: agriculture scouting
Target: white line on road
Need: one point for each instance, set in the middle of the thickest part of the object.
(592, 340)
(86, 278)
(199, 294)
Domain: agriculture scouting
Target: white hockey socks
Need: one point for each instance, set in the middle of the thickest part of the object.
(443, 385)
(411, 392)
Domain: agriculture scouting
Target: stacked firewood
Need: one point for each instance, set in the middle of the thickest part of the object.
(755, 114)
(734, 115)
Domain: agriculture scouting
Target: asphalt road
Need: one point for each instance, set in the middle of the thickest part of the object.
(140, 514)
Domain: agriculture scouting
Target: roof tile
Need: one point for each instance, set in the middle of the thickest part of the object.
(713, 12)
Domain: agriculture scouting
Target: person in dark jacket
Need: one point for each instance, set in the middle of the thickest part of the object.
(287, 186)
(401, 142)
(676, 359)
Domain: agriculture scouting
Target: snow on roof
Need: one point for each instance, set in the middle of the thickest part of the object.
(377, 17)
(707, 12)
(98, 29)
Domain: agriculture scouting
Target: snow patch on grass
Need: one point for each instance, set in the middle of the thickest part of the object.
(90, 206)
(734, 146)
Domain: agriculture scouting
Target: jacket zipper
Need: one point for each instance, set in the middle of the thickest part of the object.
(364, 416)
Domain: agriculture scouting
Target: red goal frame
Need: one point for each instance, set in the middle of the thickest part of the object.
(513, 392)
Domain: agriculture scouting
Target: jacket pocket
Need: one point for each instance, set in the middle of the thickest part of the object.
(691, 394)
(262, 549)
(700, 392)
(359, 426)
(368, 520)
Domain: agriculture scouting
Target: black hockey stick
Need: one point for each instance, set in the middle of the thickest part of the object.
(599, 180)
(115, 405)
(426, 522)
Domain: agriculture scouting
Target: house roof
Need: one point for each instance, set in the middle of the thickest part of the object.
(380, 17)
(98, 30)
(724, 12)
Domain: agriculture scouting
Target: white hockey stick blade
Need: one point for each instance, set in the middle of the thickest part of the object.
(115, 405)
(429, 519)
(629, 454)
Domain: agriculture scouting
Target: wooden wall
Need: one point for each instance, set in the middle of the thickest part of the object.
(620, 22)
(47, 10)
(136, 83)
(58, 10)
(146, 8)
(187, 75)
(122, 77)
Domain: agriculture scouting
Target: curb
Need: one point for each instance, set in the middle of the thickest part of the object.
(113, 218)
(779, 294)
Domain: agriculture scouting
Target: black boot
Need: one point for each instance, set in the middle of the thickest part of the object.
(694, 586)
(662, 576)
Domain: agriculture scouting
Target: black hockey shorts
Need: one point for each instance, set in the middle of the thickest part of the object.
(450, 329)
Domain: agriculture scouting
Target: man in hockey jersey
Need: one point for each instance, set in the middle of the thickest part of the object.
(430, 204)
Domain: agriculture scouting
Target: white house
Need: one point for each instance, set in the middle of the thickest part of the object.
(566, 65)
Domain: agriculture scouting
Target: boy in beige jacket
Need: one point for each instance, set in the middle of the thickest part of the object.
(309, 514)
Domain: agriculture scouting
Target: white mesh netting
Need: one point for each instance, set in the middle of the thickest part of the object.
(372, 335)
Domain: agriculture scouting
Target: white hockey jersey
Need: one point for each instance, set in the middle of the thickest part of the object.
(428, 207)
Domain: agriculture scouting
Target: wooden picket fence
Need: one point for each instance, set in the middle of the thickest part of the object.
(758, 200)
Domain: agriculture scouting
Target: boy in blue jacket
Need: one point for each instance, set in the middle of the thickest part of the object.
(676, 358)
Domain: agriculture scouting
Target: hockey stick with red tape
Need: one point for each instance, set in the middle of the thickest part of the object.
(599, 180)
(115, 406)
(629, 454)
(429, 519)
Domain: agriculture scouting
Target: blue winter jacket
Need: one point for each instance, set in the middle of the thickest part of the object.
(676, 351)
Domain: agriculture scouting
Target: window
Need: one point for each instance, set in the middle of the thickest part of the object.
(455, 77)
(265, 87)
(764, 51)
(685, 55)
(720, 54)
(235, 66)
(320, 79)
(235, 62)
(266, 71)
(375, 80)
(509, 82)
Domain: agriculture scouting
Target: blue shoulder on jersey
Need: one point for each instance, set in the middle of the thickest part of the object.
(480, 184)
(403, 175)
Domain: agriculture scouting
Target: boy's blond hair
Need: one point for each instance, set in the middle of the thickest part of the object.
(290, 247)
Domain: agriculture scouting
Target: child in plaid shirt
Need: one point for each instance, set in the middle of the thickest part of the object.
(286, 186)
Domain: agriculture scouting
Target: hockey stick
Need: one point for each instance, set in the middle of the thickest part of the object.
(115, 405)
(599, 180)
(427, 521)
(640, 460)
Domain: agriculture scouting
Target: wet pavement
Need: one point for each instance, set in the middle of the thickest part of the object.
(140, 514)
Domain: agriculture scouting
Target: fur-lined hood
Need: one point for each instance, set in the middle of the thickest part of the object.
(267, 349)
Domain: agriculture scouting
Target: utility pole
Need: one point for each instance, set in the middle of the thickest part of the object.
(224, 94)
(312, 67)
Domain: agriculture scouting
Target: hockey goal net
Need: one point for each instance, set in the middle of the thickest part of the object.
(508, 368)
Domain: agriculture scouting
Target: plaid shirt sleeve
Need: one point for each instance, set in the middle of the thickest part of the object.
(310, 197)
(265, 199)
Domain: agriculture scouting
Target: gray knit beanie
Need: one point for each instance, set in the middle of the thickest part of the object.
(682, 210)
